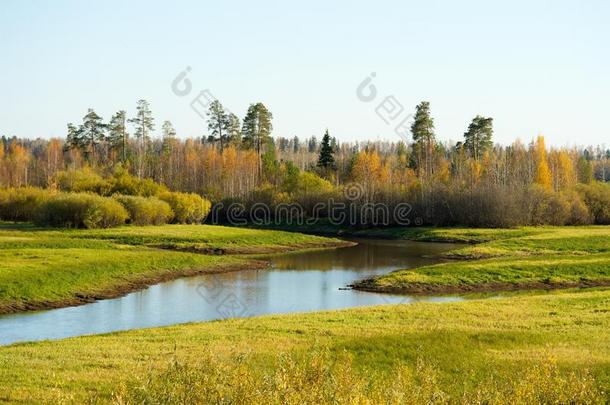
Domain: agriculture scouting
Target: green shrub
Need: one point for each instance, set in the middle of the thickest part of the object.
(123, 183)
(146, 210)
(80, 181)
(188, 208)
(311, 183)
(21, 204)
(81, 210)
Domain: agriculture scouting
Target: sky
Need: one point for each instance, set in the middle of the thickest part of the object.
(536, 67)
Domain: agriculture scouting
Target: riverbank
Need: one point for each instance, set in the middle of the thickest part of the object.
(45, 269)
(521, 349)
(502, 260)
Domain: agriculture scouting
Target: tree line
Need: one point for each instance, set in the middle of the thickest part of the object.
(467, 182)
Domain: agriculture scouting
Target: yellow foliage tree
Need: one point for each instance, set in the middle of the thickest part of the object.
(543, 173)
(17, 161)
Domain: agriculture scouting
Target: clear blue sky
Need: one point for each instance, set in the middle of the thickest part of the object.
(534, 66)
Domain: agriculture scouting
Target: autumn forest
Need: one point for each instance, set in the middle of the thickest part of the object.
(474, 182)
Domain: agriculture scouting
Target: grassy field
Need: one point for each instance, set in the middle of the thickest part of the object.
(534, 347)
(42, 268)
(522, 349)
(525, 258)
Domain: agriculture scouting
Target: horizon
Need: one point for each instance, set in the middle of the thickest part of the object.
(308, 77)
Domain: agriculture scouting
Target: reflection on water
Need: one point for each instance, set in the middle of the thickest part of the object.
(305, 281)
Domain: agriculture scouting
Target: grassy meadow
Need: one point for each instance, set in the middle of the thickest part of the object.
(529, 347)
(513, 259)
(42, 268)
(523, 349)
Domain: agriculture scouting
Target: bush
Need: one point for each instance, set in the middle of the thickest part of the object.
(146, 210)
(579, 212)
(21, 204)
(123, 183)
(188, 208)
(311, 183)
(81, 210)
(597, 198)
(81, 181)
(482, 206)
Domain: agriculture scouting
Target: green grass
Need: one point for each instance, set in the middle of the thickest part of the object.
(473, 347)
(546, 257)
(42, 268)
(541, 347)
(202, 237)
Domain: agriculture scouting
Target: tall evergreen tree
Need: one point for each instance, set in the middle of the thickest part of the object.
(93, 132)
(144, 125)
(257, 127)
(424, 138)
(326, 160)
(74, 139)
(233, 129)
(218, 123)
(477, 139)
(168, 136)
(117, 133)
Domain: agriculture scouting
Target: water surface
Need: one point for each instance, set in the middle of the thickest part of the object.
(297, 282)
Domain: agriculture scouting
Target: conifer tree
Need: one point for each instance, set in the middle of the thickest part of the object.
(117, 133)
(144, 124)
(218, 124)
(326, 160)
(92, 132)
(424, 138)
(477, 139)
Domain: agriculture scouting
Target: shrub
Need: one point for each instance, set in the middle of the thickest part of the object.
(81, 210)
(122, 182)
(188, 207)
(21, 204)
(311, 183)
(146, 210)
(597, 198)
(80, 181)
(482, 206)
(579, 212)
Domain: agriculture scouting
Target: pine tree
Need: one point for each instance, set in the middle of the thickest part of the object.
(233, 130)
(92, 131)
(326, 160)
(256, 128)
(477, 139)
(144, 124)
(74, 138)
(218, 124)
(117, 133)
(422, 130)
(168, 136)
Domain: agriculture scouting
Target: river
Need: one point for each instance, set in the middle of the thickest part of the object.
(296, 282)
